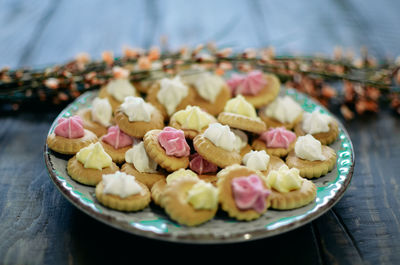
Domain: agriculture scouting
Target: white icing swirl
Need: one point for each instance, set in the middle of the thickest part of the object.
(208, 86)
(284, 109)
(241, 139)
(101, 111)
(256, 160)
(316, 122)
(308, 148)
(137, 109)
(137, 156)
(121, 184)
(171, 93)
(120, 89)
(221, 136)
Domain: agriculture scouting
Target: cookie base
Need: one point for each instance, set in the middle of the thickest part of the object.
(87, 176)
(294, 199)
(146, 178)
(131, 203)
(242, 122)
(313, 169)
(214, 154)
(68, 146)
(178, 209)
(226, 198)
(158, 154)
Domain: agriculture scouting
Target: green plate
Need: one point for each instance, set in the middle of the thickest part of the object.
(153, 223)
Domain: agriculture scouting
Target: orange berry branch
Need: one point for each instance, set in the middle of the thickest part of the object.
(358, 85)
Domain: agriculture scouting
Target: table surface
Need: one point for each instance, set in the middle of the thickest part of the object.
(39, 226)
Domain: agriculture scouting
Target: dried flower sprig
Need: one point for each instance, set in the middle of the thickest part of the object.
(365, 83)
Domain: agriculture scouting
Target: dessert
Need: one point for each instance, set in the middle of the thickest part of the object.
(89, 164)
(140, 165)
(322, 126)
(240, 114)
(69, 136)
(241, 142)
(98, 117)
(135, 117)
(311, 158)
(116, 143)
(288, 189)
(190, 202)
(122, 192)
(257, 87)
(261, 162)
(282, 112)
(192, 120)
(116, 90)
(211, 92)
(242, 193)
(217, 145)
(158, 188)
(276, 141)
(169, 95)
(168, 148)
(206, 170)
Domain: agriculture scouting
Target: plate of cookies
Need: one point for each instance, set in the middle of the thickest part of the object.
(200, 158)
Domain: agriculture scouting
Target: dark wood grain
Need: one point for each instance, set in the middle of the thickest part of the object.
(39, 226)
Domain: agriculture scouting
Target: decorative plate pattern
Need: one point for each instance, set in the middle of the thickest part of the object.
(152, 222)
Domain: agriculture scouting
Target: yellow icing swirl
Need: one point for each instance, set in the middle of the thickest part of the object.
(192, 118)
(285, 179)
(240, 106)
(203, 196)
(181, 173)
(94, 156)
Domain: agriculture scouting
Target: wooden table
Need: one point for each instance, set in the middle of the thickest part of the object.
(39, 226)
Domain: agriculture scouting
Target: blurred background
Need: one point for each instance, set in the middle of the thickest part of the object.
(37, 32)
(39, 226)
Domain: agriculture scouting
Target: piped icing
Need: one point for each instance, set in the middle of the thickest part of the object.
(256, 160)
(308, 148)
(173, 141)
(171, 93)
(121, 184)
(181, 173)
(117, 138)
(249, 84)
(203, 196)
(241, 106)
(278, 137)
(284, 179)
(241, 139)
(94, 156)
(221, 136)
(138, 157)
(201, 166)
(316, 122)
(192, 118)
(137, 109)
(209, 86)
(71, 127)
(101, 111)
(283, 109)
(120, 88)
(249, 193)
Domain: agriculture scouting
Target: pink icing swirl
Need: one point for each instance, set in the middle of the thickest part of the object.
(249, 84)
(249, 193)
(173, 141)
(117, 138)
(278, 137)
(71, 127)
(201, 166)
